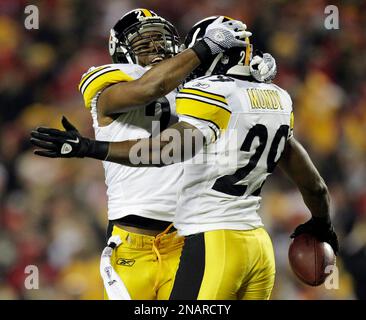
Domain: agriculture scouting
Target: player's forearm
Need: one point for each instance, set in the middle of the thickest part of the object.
(143, 153)
(119, 152)
(155, 83)
(165, 149)
(136, 153)
(297, 164)
(317, 200)
(178, 143)
(168, 75)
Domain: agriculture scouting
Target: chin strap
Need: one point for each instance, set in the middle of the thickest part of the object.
(113, 284)
(213, 64)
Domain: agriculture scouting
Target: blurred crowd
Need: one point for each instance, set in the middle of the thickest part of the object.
(53, 212)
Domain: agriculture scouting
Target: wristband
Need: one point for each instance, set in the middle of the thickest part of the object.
(202, 50)
(97, 149)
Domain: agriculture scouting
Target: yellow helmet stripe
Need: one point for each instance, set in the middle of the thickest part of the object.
(146, 12)
(247, 52)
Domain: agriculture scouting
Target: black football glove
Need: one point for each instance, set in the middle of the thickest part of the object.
(320, 228)
(67, 144)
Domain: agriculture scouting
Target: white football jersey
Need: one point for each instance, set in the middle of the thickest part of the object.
(147, 192)
(245, 125)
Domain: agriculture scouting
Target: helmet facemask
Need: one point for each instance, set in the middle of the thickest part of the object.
(152, 36)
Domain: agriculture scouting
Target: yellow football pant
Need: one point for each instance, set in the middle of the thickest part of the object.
(147, 264)
(226, 265)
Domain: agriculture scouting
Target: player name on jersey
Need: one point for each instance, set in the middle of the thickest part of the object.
(264, 99)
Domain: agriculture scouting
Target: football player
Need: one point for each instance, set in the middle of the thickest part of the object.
(141, 201)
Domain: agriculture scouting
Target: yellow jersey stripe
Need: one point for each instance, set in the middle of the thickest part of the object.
(205, 94)
(88, 75)
(203, 110)
(146, 12)
(95, 76)
(102, 81)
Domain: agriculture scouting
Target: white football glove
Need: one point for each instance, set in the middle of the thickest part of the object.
(221, 36)
(263, 69)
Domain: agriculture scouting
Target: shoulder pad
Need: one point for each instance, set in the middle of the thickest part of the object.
(206, 100)
(285, 93)
(216, 85)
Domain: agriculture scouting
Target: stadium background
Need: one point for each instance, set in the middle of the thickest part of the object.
(53, 212)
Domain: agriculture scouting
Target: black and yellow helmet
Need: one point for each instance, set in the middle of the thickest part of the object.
(234, 61)
(136, 23)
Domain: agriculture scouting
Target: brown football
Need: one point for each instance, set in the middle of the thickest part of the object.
(309, 258)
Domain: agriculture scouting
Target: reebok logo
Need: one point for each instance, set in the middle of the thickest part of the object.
(201, 85)
(125, 262)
